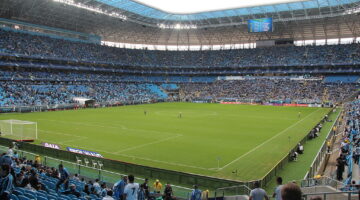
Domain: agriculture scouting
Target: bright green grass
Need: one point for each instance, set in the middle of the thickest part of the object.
(295, 171)
(249, 139)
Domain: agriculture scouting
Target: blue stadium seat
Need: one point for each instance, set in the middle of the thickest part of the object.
(18, 192)
(14, 197)
(29, 195)
(22, 197)
(65, 197)
(52, 197)
(41, 198)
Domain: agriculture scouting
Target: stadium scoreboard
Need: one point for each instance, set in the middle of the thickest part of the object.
(260, 25)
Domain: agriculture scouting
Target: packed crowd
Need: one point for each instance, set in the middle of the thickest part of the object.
(27, 179)
(29, 93)
(90, 76)
(350, 146)
(26, 44)
(57, 88)
(268, 90)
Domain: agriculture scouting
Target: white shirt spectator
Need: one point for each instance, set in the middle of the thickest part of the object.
(278, 192)
(131, 191)
(10, 152)
(108, 198)
(258, 194)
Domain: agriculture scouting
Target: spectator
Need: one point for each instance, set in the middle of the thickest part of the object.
(300, 148)
(6, 182)
(97, 186)
(168, 192)
(291, 191)
(72, 191)
(10, 151)
(145, 186)
(157, 186)
(131, 189)
(258, 193)
(340, 164)
(64, 178)
(205, 195)
(196, 193)
(5, 160)
(103, 190)
(141, 193)
(34, 181)
(109, 195)
(277, 192)
(76, 177)
(86, 189)
(119, 188)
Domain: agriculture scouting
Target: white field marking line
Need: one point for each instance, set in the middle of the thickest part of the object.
(61, 133)
(143, 130)
(62, 142)
(150, 143)
(268, 140)
(147, 159)
(118, 153)
(198, 114)
(165, 162)
(107, 126)
(259, 117)
(131, 148)
(78, 123)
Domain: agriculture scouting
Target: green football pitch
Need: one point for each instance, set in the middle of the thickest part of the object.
(209, 139)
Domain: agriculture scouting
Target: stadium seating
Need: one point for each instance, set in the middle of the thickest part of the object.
(269, 90)
(46, 47)
(349, 142)
(169, 86)
(23, 93)
(52, 87)
(341, 79)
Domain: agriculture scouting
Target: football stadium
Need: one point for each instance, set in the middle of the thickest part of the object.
(179, 99)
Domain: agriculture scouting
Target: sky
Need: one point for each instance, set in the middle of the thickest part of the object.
(197, 6)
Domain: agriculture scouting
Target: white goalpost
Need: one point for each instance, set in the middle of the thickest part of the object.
(19, 129)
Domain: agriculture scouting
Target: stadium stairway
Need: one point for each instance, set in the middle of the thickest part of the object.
(323, 189)
(356, 173)
(157, 90)
(169, 86)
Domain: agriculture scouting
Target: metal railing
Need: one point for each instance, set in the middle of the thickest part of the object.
(322, 181)
(333, 195)
(232, 191)
(319, 158)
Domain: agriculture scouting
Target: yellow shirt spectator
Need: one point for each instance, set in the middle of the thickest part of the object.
(157, 186)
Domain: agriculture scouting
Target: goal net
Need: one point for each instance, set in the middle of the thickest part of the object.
(18, 129)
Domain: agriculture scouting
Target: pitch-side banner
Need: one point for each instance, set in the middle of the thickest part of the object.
(49, 145)
(84, 152)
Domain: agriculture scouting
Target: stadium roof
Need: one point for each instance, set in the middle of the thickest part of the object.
(131, 22)
(199, 6)
(158, 9)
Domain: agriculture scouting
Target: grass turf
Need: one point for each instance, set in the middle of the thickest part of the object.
(209, 139)
(295, 171)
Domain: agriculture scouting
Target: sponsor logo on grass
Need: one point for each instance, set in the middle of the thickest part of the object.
(52, 146)
(84, 152)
